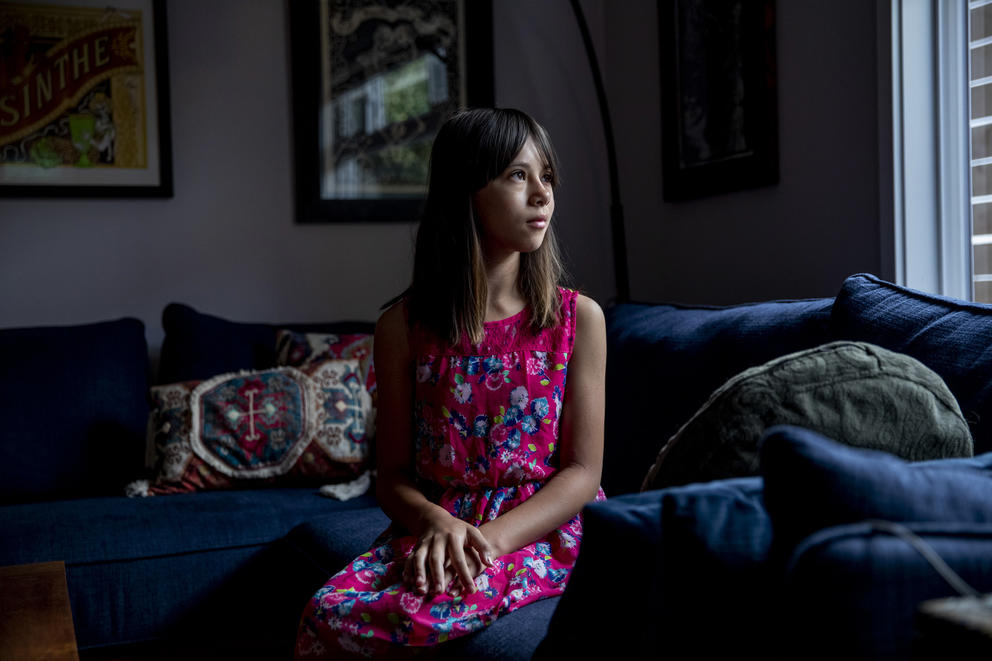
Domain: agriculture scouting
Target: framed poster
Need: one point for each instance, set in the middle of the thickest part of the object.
(84, 99)
(718, 96)
(372, 82)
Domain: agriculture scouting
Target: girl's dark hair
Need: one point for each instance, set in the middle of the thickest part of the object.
(448, 293)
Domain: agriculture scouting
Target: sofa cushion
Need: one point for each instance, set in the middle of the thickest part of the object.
(282, 426)
(854, 392)
(74, 409)
(812, 482)
(328, 543)
(950, 336)
(682, 559)
(144, 569)
(198, 346)
(666, 360)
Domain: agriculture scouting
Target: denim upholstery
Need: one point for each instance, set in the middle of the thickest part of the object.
(812, 482)
(712, 570)
(74, 409)
(155, 570)
(327, 543)
(198, 346)
(664, 361)
(135, 566)
(851, 591)
(672, 563)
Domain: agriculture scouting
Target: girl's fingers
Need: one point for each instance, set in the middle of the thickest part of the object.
(437, 557)
(450, 581)
(479, 542)
(458, 563)
(448, 560)
(415, 566)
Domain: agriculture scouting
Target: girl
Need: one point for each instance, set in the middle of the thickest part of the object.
(485, 458)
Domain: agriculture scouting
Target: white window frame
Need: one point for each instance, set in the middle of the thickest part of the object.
(924, 128)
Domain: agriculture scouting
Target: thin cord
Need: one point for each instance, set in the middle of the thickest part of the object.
(931, 556)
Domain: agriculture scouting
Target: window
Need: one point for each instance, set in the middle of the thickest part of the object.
(980, 116)
(927, 227)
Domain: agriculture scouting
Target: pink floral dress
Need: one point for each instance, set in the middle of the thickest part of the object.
(485, 435)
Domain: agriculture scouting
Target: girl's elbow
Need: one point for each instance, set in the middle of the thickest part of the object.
(591, 478)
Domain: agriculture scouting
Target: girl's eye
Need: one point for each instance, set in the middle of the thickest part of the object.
(549, 177)
(518, 174)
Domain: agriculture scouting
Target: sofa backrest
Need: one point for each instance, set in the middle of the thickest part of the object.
(664, 361)
(199, 346)
(73, 401)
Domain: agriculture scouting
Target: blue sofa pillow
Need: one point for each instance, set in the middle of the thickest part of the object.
(950, 336)
(682, 559)
(812, 482)
(74, 404)
(199, 346)
(665, 361)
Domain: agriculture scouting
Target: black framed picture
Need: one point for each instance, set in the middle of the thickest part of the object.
(372, 82)
(719, 96)
(84, 99)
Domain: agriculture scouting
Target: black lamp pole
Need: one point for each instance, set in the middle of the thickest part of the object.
(616, 208)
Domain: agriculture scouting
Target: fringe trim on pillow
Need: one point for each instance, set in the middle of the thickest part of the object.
(348, 490)
(138, 489)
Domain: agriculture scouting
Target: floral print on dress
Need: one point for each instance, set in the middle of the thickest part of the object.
(486, 423)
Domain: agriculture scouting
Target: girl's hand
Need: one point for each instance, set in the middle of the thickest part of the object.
(455, 584)
(442, 543)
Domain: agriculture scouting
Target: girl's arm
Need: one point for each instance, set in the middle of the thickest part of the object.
(441, 537)
(580, 443)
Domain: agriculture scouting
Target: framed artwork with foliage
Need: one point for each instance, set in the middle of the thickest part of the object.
(372, 82)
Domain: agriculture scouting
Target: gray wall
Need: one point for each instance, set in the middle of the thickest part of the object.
(798, 239)
(226, 242)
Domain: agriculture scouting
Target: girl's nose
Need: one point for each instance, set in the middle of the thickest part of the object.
(541, 195)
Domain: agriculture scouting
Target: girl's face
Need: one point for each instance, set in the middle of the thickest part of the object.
(514, 209)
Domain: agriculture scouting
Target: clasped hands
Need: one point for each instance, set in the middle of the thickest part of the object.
(447, 557)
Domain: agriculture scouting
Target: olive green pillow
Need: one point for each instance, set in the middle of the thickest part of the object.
(853, 392)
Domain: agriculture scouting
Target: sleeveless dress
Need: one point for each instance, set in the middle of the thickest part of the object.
(485, 440)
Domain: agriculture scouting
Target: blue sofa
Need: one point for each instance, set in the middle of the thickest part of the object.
(799, 560)
(224, 573)
(147, 577)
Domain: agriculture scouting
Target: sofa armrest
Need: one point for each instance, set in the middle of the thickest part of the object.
(855, 588)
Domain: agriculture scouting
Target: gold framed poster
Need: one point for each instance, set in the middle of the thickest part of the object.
(84, 99)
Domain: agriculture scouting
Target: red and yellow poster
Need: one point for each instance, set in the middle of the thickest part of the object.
(75, 106)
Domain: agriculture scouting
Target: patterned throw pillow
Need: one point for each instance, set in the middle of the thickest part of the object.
(278, 427)
(307, 349)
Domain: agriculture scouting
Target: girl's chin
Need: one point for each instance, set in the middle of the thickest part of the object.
(532, 247)
(527, 245)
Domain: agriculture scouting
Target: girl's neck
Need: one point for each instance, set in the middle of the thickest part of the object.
(504, 298)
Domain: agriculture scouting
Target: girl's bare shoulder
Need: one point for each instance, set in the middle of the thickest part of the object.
(588, 312)
(392, 329)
